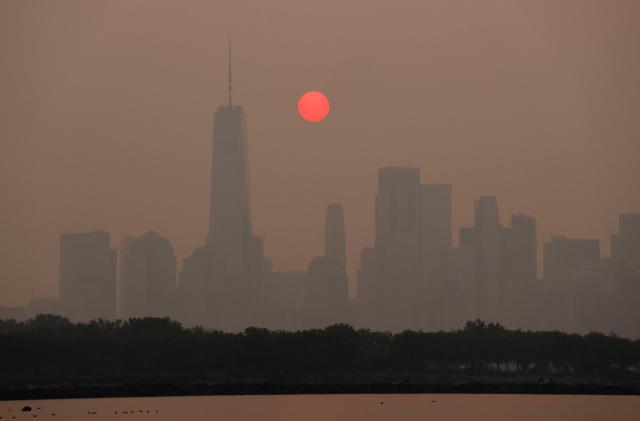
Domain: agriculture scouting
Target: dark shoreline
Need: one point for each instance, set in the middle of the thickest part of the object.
(51, 358)
(559, 386)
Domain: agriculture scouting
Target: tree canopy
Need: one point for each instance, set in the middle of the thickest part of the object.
(52, 348)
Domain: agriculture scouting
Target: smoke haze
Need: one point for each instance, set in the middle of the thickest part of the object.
(106, 112)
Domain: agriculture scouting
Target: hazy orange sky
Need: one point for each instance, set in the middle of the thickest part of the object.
(106, 112)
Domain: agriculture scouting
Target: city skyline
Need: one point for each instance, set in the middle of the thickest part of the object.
(142, 167)
(412, 276)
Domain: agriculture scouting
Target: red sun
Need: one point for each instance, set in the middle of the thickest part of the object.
(313, 106)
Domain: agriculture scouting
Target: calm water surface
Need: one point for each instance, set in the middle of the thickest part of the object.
(332, 407)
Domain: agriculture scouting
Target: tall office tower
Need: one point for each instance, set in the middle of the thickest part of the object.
(233, 262)
(519, 269)
(625, 256)
(467, 237)
(434, 226)
(396, 205)
(369, 291)
(125, 247)
(520, 249)
(283, 300)
(566, 259)
(397, 246)
(87, 276)
(147, 277)
(487, 251)
(434, 217)
(202, 292)
(230, 230)
(566, 262)
(453, 302)
(625, 246)
(334, 233)
(325, 293)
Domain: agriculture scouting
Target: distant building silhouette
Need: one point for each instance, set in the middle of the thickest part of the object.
(325, 293)
(519, 268)
(230, 231)
(435, 229)
(147, 277)
(203, 283)
(454, 297)
(505, 264)
(87, 276)
(369, 299)
(228, 272)
(520, 249)
(397, 247)
(326, 297)
(565, 259)
(625, 245)
(625, 256)
(435, 215)
(567, 265)
(485, 238)
(334, 233)
(283, 300)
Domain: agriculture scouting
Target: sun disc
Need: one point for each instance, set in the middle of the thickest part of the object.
(313, 106)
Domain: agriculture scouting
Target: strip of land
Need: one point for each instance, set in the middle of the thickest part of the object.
(50, 357)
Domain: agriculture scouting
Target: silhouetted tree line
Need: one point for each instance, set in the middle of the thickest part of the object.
(52, 347)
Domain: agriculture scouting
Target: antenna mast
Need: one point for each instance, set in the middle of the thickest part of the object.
(230, 88)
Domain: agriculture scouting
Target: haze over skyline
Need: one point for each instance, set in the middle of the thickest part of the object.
(105, 123)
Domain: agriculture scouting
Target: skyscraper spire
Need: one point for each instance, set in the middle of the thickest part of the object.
(230, 232)
(230, 88)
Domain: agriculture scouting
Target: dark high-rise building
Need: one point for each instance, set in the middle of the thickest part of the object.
(231, 265)
(434, 215)
(325, 293)
(334, 233)
(467, 237)
(451, 303)
(625, 245)
(283, 300)
(87, 276)
(488, 258)
(434, 243)
(487, 226)
(568, 270)
(230, 229)
(566, 259)
(485, 239)
(201, 292)
(396, 205)
(520, 249)
(397, 247)
(369, 291)
(519, 268)
(625, 257)
(147, 277)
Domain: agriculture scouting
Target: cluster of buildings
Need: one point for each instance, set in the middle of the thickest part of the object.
(412, 277)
